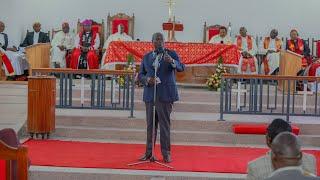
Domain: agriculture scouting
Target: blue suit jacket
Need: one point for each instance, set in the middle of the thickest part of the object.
(5, 45)
(167, 90)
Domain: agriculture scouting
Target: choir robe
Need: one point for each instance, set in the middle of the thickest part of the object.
(61, 39)
(247, 65)
(14, 62)
(89, 59)
(300, 47)
(271, 62)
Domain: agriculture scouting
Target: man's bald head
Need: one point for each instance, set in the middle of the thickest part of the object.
(273, 33)
(286, 150)
(243, 31)
(2, 26)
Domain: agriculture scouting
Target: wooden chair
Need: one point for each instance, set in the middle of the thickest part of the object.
(96, 27)
(209, 32)
(315, 51)
(19, 154)
(120, 18)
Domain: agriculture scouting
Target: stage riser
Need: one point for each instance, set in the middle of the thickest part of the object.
(179, 137)
(36, 175)
(188, 125)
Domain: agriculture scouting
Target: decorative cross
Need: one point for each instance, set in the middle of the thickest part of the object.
(171, 3)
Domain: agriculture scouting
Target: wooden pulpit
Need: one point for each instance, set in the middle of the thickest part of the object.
(38, 56)
(290, 65)
(2, 73)
(41, 105)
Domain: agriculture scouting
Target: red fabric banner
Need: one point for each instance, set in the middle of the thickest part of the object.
(189, 53)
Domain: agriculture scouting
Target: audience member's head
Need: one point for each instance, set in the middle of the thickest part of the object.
(276, 127)
(294, 34)
(273, 33)
(2, 26)
(222, 31)
(286, 150)
(65, 27)
(36, 27)
(243, 32)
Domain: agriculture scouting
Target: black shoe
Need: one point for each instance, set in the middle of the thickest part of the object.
(167, 159)
(145, 157)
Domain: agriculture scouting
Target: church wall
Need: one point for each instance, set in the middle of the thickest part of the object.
(259, 16)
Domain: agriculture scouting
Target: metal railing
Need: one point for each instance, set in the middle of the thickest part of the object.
(93, 89)
(269, 95)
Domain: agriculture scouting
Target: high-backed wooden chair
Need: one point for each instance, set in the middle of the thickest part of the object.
(96, 27)
(315, 48)
(120, 18)
(209, 32)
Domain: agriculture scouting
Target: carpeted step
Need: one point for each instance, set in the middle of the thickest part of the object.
(255, 128)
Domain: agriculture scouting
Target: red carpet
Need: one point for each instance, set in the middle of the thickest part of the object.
(117, 156)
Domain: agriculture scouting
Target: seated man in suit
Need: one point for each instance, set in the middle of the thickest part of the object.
(36, 36)
(247, 46)
(262, 168)
(87, 43)
(13, 61)
(287, 159)
(62, 42)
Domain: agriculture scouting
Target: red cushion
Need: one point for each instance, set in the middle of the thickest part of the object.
(256, 129)
(212, 32)
(2, 169)
(116, 22)
(96, 28)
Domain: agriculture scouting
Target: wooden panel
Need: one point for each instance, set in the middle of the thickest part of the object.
(41, 104)
(19, 154)
(290, 65)
(38, 56)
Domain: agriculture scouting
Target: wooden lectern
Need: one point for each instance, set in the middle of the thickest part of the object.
(41, 105)
(290, 65)
(38, 56)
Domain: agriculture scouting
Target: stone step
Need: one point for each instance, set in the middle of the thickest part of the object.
(177, 136)
(59, 173)
(186, 125)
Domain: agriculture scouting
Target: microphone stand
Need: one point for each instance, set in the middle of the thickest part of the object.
(153, 159)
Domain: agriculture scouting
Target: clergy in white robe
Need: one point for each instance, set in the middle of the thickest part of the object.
(222, 37)
(61, 43)
(248, 48)
(271, 46)
(14, 61)
(118, 36)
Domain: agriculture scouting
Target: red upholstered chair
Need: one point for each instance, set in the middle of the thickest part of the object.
(315, 48)
(120, 18)
(209, 32)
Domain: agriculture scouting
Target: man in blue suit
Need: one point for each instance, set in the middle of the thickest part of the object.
(168, 63)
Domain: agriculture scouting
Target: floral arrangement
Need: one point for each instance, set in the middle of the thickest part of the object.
(130, 66)
(214, 81)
